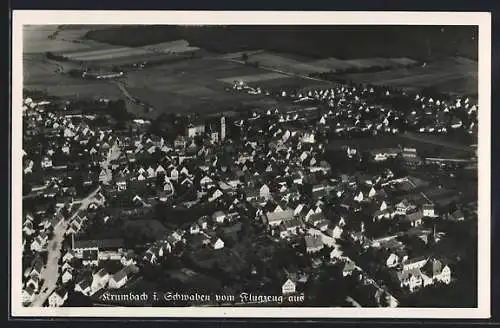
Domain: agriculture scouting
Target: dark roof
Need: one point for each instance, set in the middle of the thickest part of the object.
(90, 255)
(432, 268)
(100, 243)
(61, 292)
(126, 271)
(85, 283)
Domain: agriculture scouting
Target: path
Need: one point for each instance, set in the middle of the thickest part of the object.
(50, 274)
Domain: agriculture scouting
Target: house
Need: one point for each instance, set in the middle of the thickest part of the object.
(28, 295)
(90, 257)
(38, 244)
(428, 210)
(264, 192)
(99, 280)
(336, 232)
(457, 216)
(412, 279)
(104, 247)
(121, 184)
(415, 219)
(435, 270)
(349, 268)
(121, 277)
(289, 287)
(34, 282)
(67, 266)
(392, 261)
(404, 207)
(219, 217)
(84, 286)
(336, 253)
(276, 218)
(58, 297)
(67, 276)
(314, 243)
(46, 163)
(218, 244)
(414, 263)
(290, 227)
(194, 228)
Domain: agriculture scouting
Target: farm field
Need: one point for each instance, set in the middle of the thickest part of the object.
(302, 65)
(43, 75)
(116, 53)
(455, 75)
(194, 85)
(36, 39)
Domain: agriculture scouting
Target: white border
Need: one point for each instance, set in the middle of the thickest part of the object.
(483, 20)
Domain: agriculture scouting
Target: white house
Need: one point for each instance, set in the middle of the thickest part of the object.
(392, 261)
(99, 280)
(264, 192)
(219, 217)
(58, 297)
(289, 287)
(121, 277)
(28, 295)
(428, 210)
(84, 286)
(67, 276)
(218, 244)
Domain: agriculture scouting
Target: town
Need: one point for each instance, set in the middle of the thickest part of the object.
(347, 195)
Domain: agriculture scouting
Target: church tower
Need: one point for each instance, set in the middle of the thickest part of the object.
(222, 128)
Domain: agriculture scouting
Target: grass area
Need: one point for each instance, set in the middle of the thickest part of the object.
(449, 75)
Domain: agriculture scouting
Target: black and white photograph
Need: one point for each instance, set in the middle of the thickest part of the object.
(250, 164)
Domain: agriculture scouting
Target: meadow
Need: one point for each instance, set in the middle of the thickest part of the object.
(449, 75)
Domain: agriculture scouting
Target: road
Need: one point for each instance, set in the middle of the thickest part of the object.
(124, 91)
(50, 273)
(275, 70)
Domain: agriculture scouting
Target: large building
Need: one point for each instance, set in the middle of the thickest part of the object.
(196, 129)
(222, 128)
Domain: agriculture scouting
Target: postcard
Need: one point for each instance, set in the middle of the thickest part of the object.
(250, 164)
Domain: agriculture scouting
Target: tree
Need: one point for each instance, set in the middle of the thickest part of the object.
(244, 57)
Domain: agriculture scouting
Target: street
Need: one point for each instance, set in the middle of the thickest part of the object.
(50, 273)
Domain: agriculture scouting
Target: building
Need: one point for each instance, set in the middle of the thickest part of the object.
(107, 249)
(120, 278)
(58, 297)
(428, 210)
(277, 218)
(28, 295)
(194, 130)
(289, 287)
(313, 243)
(222, 128)
(99, 280)
(218, 244)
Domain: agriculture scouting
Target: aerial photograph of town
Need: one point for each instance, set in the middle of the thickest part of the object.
(250, 166)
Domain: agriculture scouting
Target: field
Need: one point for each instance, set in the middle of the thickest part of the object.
(455, 75)
(43, 75)
(304, 66)
(36, 39)
(195, 85)
(112, 54)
